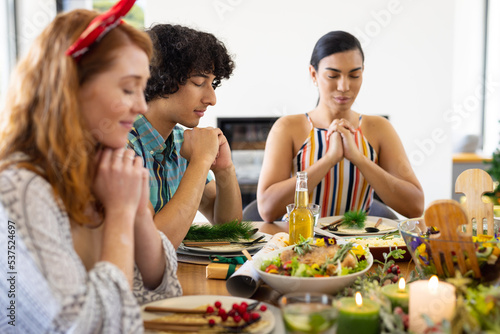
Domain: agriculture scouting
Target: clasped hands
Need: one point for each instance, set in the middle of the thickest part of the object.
(208, 144)
(340, 141)
(121, 182)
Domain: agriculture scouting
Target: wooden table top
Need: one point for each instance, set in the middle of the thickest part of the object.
(194, 282)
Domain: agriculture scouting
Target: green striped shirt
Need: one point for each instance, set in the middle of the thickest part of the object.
(161, 157)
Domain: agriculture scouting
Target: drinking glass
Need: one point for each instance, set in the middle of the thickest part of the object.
(314, 208)
(305, 312)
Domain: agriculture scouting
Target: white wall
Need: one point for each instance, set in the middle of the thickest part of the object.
(408, 46)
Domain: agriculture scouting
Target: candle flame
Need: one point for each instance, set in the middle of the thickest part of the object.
(433, 283)
(402, 283)
(359, 299)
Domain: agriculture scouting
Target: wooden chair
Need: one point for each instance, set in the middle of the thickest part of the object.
(474, 183)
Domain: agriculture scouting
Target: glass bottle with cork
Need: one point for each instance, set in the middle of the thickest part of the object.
(301, 220)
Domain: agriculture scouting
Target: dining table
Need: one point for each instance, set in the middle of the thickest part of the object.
(194, 281)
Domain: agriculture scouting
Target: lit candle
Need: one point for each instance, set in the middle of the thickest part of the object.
(358, 316)
(432, 298)
(398, 294)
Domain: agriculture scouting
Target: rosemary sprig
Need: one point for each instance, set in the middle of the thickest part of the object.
(229, 231)
(354, 219)
(342, 252)
(304, 246)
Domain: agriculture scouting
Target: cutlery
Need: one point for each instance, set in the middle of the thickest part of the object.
(222, 243)
(374, 229)
(333, 226)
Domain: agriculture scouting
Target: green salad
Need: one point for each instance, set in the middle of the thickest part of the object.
(321, 257)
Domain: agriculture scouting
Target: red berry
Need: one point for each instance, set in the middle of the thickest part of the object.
(244, 304)
(223, 317)
(389, 270)
(210, 309)
(246, 317)
(235, 306)
(398, 310)
(237, 318)
(255, 316)
(406, 320)
(399, 271)
(263, 308)
(221, 312)
(211, 322)
(231, 313)
(218, 304)
(242, 309)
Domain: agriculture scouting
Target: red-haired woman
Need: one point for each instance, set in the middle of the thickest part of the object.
(78, 200)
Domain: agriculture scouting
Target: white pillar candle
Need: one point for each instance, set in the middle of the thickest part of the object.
(433, 298)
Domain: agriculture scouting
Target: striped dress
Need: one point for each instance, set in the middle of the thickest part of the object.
(343, 188)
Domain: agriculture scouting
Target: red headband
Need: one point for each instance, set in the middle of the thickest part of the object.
(99, 27)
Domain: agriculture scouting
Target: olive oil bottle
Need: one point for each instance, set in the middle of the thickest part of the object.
(301, 220)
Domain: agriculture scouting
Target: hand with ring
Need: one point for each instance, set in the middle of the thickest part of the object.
(118, 184)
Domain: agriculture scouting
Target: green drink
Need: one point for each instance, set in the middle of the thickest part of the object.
(308, 313)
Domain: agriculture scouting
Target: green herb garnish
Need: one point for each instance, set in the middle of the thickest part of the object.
(233, 231)
(342, 252)
(304, 245)
(354, 219)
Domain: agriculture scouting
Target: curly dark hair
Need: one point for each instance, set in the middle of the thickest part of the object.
(179, 51)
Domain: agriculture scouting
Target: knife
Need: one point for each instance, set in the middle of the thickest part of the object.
(222, 243)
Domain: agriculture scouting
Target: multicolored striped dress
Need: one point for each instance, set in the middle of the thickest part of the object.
(343, 188)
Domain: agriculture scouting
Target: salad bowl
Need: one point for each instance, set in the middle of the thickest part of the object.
(286, 284)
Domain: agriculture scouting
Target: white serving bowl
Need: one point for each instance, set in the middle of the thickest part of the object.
(286, 284)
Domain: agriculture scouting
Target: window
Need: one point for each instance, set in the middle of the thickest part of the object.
(7, 44)
(491, 129)
(135, 17)
(475, 114)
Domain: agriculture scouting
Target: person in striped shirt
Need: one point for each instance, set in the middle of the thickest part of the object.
(348, 156)
(187, 66)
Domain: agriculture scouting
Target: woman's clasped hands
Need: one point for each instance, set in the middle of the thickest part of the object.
(121, 182)
(341, 142)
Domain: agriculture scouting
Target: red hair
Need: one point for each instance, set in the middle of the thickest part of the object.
(42, 117)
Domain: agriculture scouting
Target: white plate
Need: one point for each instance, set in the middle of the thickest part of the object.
(227, 249)
(195, 301)
(387, 225)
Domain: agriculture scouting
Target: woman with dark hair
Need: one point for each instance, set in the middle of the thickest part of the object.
(187, 66)
(346, 155)
(75, 199)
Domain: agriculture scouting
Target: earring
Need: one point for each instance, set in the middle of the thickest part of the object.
(315, 83)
